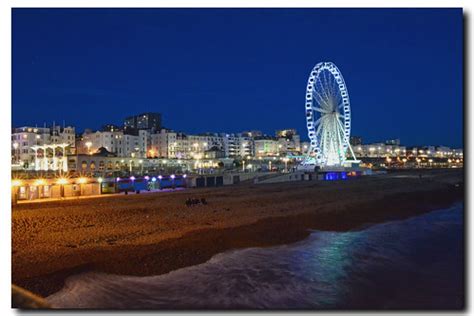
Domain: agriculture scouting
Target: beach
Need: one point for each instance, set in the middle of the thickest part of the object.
(151, 234)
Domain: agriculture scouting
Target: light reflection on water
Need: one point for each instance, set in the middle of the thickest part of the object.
(415, 263)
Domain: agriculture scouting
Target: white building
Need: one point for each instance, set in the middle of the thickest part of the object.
(238, 145)
(379, 150)
(29, 144)
(266, 146)
(124, 145)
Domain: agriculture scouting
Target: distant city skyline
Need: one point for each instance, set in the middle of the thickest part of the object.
(217, 70)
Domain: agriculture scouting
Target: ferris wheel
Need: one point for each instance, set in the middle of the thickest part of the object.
(328, 116)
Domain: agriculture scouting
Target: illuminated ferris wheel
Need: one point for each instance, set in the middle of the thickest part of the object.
(328, 116)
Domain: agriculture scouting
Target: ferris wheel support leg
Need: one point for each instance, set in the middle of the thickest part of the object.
(348, 144)
(352, 152)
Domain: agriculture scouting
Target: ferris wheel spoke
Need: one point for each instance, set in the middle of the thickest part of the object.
(318, 130)
(328, 86)
(323, 87)
(322, 102)
(320, 110)
(331, 87)
(318, 121)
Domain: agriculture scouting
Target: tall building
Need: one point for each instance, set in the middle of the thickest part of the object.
(110, 128)
(147, 121)
(355, 140)
(395, 141)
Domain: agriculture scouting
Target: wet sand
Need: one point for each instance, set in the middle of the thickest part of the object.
(155, 233)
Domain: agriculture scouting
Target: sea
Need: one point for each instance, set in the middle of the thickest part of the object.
(411, 264)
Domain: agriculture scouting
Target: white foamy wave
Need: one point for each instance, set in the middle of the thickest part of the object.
(404, 264)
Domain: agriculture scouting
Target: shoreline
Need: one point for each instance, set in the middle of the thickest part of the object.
(199, 245)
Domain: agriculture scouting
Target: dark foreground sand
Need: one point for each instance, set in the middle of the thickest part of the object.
(151, 234)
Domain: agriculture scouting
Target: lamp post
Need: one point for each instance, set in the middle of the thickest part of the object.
(81, 181)
(16, 188)
(286, 163)
(141, 166)
(100, 180)
(130, 162)
(172, 181)
(62, 182)
(132, 178)
(243, 165)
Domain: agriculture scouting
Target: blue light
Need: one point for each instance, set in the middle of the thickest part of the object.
(153, 179)
(330, 176)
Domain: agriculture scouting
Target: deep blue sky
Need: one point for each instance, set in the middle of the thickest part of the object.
(238, 69)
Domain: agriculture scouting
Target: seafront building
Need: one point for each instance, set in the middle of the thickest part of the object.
(42, 148)
(142, 144)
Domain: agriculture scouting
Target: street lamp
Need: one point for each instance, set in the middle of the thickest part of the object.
(141, 166)
(286, 163)
(243, 165)
(16, 189)
(172, 181)
(81, 181)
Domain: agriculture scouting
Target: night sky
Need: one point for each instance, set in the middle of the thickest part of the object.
(231, 70)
